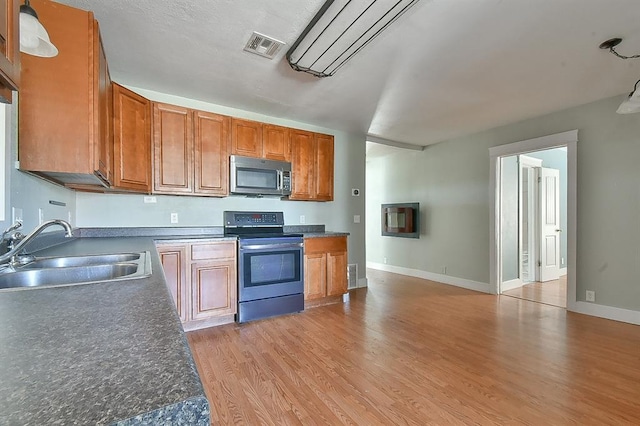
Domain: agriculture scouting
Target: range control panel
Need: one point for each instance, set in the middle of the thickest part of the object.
(253, 219)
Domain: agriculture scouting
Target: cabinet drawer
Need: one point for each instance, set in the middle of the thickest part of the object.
(325, 244)
(210, 251)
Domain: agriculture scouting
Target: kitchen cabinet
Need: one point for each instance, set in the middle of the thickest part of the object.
(65, 131)
(189, 151)
(131, 141)
(202, 279)
(276, 142)
(325, 267)
(259, 140)
(312, 166)
(9, 49)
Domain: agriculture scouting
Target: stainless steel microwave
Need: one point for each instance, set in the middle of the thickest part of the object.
(255, 176)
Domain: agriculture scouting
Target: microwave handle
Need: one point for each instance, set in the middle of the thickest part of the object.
(280, 179)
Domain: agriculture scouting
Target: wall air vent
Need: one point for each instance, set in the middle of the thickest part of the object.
(262, 45)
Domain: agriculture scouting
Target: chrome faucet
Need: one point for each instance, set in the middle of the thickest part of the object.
(18, 241)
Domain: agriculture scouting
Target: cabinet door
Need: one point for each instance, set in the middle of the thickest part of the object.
(336, 273)
(57, 112)
(211, 141)
(302, 164)
(173, 259)
(213, 289)
(132, 140)
(9, 49)
(324, 167)
(275, 143)
(172, 149)
(103, 123)
(246, 138)
(315, 275)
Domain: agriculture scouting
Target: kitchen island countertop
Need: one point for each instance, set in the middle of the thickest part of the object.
(100, 353)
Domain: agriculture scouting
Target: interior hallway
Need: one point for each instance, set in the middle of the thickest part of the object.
(411, 351)
(550, 292)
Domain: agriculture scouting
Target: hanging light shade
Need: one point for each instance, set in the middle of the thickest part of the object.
(34, 39)
(340, 30)
(631, 105)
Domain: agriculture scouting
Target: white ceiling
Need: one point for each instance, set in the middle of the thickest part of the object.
(447, 68)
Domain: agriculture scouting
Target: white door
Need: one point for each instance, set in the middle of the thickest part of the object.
(549, 260)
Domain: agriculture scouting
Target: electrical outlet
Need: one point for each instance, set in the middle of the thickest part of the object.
(385, 260)
(444, 270)
(562, 260)
(69, 217)
(591, 296)
(174, 217)
(356, 218)
(40, 216)
(150, 199)
(303, 219)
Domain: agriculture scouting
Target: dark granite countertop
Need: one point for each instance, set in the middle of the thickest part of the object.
(103, 353)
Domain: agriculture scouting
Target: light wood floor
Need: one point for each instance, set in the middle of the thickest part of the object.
(410, 351)
(549, 292)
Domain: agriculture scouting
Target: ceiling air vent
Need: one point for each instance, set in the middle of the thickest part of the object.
(262, 45)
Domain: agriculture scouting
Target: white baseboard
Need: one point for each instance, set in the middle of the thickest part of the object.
(608, 312)
(563, 272)
(511, 284)
(444, 279)
(362, 282)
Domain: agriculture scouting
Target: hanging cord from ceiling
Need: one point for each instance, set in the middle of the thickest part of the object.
(611, 44)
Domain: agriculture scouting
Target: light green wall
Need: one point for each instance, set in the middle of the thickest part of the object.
(451, 182)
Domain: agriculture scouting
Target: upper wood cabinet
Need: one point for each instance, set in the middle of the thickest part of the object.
(259, 140)
(276, 142)
(65, 132)
(246, 138)
(190, 151)
(9, 49)
(131, 140)
(312, 164)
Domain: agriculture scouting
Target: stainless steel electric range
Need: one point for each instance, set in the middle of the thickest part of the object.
(270, 265)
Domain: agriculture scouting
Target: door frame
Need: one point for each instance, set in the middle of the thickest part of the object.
(568, 139)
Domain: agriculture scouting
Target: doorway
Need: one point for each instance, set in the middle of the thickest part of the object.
(533, 211)
(512, 235)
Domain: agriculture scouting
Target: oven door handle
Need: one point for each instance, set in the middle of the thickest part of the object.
(271, 246)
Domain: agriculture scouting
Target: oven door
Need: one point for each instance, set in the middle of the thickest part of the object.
(269, 267)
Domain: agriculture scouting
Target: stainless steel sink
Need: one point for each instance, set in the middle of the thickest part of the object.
(74, 270)
(66, 262)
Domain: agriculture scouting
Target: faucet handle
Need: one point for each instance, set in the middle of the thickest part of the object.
(12, 228)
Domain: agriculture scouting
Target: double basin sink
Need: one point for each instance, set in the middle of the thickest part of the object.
(73, 270)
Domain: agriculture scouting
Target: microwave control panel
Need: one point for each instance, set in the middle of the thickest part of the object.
(286, 181)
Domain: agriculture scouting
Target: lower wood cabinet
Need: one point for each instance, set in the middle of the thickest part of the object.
(201, 277)
(325, 267)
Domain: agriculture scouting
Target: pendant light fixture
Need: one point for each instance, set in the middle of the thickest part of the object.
(34, 39)
(630, 105)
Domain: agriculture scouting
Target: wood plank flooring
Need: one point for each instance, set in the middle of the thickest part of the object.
(549, 292)
(411, 351)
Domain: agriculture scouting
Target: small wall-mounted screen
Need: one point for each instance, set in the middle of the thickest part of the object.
(401, 220)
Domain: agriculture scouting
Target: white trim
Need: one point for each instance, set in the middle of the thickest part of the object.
(443, 279)
(526, 162)
(388, 142)
(536, 144)
(362, 282)
(510, 285)
(608, 312)
(570, 139)
(563, 272)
